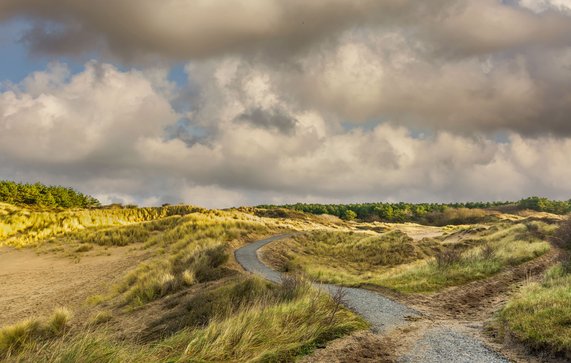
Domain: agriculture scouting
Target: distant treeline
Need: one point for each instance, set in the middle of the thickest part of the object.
(403, 212)
(44, 196)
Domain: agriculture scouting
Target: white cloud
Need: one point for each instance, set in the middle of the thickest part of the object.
(543, 5)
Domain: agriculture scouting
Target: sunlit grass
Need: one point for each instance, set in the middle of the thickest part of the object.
(248, 320)
(22, 227)
(394, 261)
(278, 332)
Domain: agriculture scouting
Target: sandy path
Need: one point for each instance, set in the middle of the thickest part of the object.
(32, 285)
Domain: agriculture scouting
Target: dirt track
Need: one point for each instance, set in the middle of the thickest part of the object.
(32, 285)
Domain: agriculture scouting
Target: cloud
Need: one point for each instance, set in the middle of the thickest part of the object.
(104, 131)
(324, 100)
(269, 119)
(384, 77)
(181, 30)
(540, 6)
(193, 29)
(469, 28)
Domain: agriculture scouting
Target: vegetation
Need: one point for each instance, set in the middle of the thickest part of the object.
(222, 315)
(44, 196)
(21, 227)
(540, 314)
(429, 213)
(394, 261)
(279, 332)
(249, 320)
(188, 302)
(193, 251)
(32, 332)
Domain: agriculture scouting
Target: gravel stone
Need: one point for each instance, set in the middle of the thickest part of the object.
(445, 345)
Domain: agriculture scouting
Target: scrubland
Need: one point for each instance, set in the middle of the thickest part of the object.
(184, 298)
(394, 260)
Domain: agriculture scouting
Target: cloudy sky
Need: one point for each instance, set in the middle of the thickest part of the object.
(239, 102)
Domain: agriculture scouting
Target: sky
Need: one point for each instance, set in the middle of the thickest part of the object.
(223, 103)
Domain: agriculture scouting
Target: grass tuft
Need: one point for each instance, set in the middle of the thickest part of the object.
(30, 332)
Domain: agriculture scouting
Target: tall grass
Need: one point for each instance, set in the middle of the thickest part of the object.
(32, 332)
(194, 251)
(278, 332)
(265, 323)
(540, 314)
(20, 227)
(249, 321)
(359, 252)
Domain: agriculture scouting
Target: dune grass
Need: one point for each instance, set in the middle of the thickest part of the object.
(353, 251)
(540, 313)
(276, 332)
(194, 251)
(249, 320)
(394, 261)
(22, 227)
(32, 332)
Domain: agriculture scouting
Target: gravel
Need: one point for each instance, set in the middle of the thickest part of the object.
(446, 345)
(436, 345)
(383, 314)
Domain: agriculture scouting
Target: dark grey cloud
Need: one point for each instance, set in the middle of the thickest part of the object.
(269, 119)
(172, 29)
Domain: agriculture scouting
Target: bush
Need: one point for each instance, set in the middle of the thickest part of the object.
(447, 258)
(488, 252)
(562, 236)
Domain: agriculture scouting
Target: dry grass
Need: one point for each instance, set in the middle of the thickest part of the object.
(32, 332)
(22, 227)
(248, 321)
(355, 251)
(540, 314)
(194, 251)
(394, 261)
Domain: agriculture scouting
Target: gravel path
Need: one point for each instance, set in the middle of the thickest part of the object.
(436, 345)
(383, 314)
(445, 345)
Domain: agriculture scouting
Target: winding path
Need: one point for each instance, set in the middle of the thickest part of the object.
(384, 315)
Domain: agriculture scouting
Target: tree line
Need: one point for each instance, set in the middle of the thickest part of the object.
(404, 212)
(44, 196)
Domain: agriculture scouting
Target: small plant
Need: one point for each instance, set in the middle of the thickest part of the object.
(188, 277)
(338, 299)
(293, 285)
(488, 252)
(562, 236)
(84, 248)
(447, 258)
